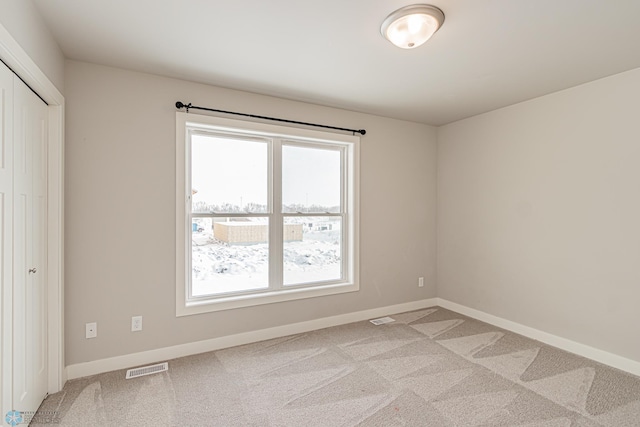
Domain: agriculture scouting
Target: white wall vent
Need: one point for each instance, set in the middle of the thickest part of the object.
(382, 321)
(147, 370)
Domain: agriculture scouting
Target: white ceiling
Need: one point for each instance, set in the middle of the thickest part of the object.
(488, 54)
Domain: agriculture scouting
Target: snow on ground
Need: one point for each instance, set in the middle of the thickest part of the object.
(218, 267)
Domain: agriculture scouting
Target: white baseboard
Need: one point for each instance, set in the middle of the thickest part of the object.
(583, 350)
(136, 359)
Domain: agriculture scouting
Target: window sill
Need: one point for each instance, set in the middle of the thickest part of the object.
(249, 300)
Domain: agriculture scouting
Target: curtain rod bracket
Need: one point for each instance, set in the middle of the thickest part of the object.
(181, 105)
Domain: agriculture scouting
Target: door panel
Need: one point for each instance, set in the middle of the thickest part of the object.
(6, 234)
(29, 263)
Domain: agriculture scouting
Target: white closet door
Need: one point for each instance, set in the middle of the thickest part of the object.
(6, 234)
(29, 243)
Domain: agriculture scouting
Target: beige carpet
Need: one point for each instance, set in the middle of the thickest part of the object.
(431, 367)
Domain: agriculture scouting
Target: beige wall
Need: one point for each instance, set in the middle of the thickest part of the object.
(23, 21)
(120, 192)
(539, 213)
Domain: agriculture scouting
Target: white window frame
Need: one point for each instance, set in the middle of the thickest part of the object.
(189, 122)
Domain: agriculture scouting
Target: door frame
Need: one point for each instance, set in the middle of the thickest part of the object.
(18, 60)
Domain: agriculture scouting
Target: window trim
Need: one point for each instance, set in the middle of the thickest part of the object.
(187, 121)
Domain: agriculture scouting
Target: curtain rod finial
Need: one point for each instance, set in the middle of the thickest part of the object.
(180, 105)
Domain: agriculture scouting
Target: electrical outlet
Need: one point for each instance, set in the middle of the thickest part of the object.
(136, 323)
(420, 282)
(91, 330)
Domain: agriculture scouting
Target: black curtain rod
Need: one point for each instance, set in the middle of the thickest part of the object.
(180, 105)
(27, 84)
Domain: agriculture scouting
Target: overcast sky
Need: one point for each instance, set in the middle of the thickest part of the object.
(235, 171)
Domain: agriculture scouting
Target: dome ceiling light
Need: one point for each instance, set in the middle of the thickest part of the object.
(411, 26)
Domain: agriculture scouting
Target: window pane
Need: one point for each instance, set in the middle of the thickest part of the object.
(228, 175)
(229, 256)
(310, 179)
(312, 249)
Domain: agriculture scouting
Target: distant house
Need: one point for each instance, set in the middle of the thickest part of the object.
(246, 233)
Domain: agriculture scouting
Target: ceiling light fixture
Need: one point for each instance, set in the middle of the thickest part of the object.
(411, 26)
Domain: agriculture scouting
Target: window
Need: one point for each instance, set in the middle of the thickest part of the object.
(265, 213)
